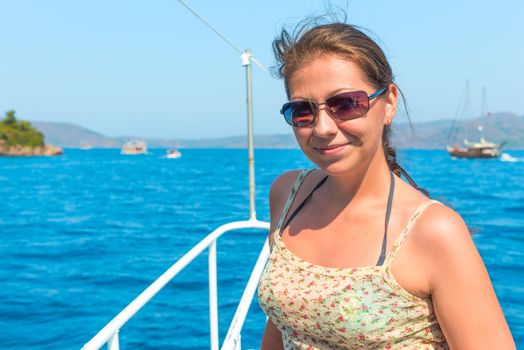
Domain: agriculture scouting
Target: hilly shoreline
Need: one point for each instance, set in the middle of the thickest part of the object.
(499, 127)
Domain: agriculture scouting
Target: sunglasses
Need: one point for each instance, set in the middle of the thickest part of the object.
(344, 106)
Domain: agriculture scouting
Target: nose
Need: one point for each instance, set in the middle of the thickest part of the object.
(324, 124)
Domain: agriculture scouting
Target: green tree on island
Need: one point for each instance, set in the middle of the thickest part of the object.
(19, 133)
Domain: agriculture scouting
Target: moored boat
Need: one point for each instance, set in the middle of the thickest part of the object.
(84, 145)
(481, 149)
(134, 147)
(173, 153)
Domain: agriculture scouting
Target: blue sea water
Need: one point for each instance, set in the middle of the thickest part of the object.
(83, 234)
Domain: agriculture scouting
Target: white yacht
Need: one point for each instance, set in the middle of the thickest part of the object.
(173, 154)
(134, 147)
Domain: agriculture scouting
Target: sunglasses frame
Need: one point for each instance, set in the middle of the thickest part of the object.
(315, 107)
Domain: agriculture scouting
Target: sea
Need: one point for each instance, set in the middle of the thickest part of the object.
(81, 235)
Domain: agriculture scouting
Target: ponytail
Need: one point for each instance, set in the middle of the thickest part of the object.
(391, 158)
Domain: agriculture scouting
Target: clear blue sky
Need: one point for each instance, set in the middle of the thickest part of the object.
(150, 68)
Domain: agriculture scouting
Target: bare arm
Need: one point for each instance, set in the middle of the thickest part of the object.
(465, 303)
(272, 339)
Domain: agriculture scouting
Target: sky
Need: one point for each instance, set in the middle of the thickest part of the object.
(152, 69)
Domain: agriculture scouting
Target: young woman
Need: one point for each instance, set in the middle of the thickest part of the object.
(361, 259)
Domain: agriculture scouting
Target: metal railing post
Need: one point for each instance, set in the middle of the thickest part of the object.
(113, 343)
(246, 62)
(213, 298)
(232, 341)
(238, 343)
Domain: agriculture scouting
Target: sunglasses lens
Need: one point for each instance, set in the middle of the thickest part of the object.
(298, 113)
(348, 105)
(344, 106)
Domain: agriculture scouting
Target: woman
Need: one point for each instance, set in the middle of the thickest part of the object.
(361, 259)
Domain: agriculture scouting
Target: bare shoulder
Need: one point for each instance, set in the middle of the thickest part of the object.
(281, 186)
(278, 193)
(441, 227)
(442, 236)
(465, 303)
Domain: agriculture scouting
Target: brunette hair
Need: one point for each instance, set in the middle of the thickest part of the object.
(312, 38)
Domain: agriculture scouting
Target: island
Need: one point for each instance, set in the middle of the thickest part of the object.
(20, 138)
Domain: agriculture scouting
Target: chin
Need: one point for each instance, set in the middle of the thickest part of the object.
(339, 168)
(343, 164)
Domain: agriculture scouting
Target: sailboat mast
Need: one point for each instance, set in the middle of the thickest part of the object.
(483, 106)
(467, 110)
(246, 62)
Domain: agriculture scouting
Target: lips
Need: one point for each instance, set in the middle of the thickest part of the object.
(330, 149)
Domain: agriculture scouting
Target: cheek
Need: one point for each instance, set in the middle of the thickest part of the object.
(302, 134)
(371, 130)
(357, 130)
(373, 138)
(303, 137)
(365, 134)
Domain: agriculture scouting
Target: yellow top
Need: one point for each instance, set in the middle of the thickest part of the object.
(318, 307)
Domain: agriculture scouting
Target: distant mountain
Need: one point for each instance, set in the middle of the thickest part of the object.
(69, 135)
(499, 127)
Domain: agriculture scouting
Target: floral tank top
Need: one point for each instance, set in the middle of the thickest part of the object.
(318, 307)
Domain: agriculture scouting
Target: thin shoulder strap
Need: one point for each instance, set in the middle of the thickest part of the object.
(291, 197)
(382, 257)
(407, 229)
(302, 204)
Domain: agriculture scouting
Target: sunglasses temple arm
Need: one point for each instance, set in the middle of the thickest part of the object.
(376, 93)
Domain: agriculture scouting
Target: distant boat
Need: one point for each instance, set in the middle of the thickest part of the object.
(134, 147)
(173, 153)
(480, 149)
(85, 145)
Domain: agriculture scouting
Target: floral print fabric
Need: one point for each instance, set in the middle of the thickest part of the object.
(318, 307)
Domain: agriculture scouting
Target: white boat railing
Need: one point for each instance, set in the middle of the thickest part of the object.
(109, 334)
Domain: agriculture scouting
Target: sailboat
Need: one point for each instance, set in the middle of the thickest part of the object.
(480, 149)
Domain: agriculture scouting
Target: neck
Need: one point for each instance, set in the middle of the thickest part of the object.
(367, 183)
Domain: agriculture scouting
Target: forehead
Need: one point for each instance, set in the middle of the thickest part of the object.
(325, 74)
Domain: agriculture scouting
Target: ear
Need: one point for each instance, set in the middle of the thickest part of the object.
(391, 104)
